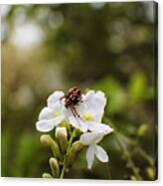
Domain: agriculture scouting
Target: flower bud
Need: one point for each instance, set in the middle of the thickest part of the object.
(77, 146)
(46, 175)
(61, 136)
(54, 167)
(61, 132)
(47, 140)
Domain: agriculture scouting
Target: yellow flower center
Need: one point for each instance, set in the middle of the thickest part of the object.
(88, 116)
(56, 114)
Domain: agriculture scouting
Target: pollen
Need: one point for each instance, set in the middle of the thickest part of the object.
(56, 114)
(88, 116)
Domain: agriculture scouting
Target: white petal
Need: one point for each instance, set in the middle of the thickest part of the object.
(67, 112)
(101, 154)
(98, 96)
(80, 109)
(91, 138)
(44, 125)
(53, 98)
(78, 123)
(58, 107)
(90, 156)
(98, 114)
(46, 113)
(48, 125)
(95, 103)
(99, 127)
(89, 94)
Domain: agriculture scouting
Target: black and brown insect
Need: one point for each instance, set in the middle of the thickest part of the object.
(71, 99)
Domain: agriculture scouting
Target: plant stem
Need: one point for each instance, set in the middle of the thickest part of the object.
(67, 153)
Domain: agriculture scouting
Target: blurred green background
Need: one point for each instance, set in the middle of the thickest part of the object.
(103, 46)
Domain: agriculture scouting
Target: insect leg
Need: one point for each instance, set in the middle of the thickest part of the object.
(75, 111)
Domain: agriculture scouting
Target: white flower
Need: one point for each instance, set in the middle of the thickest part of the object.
(91, 110)
(85, 115)
(91, 139)
(52, 115)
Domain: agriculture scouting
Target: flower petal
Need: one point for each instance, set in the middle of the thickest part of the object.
(101, 154)
(99, 127)
(90, 156)
(46, 113)
(48, 125)
(89, 138)
(44, 125)
(80, 109)
(53, 98)
(96, 98)
(95, 103)
(78, 123)
(89, 94)
(58, 107)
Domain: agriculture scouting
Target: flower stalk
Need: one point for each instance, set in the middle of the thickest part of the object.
(67, 153)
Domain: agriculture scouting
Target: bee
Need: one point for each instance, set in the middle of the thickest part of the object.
(71, 99)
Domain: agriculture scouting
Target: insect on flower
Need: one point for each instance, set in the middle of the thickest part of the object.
(71, 99)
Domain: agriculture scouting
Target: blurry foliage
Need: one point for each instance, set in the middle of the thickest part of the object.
(105, 46)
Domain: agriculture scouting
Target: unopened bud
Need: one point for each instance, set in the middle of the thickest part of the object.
(46, 175)
(61, 132)
(61, 135)
(77, 146)
(47, 140)
(54, 167)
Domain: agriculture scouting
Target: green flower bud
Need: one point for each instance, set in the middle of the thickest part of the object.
(61, 136)
(54, 166)
(47, 140)
(46, 175)
(77, 146)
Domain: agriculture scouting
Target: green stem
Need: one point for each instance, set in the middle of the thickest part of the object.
(67, 153)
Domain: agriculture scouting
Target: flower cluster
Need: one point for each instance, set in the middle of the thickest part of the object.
(87, 120)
